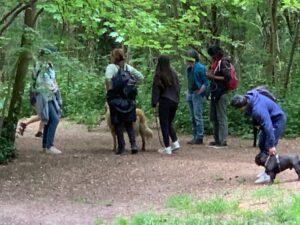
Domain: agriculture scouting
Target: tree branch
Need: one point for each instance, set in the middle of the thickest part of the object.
(37, 15)
(15, 14)
(10, 12)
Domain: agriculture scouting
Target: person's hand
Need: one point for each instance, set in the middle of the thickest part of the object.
(272, 151)
(210, 76)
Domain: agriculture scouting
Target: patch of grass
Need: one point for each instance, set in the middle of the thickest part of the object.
(99, 222)
(283, 208)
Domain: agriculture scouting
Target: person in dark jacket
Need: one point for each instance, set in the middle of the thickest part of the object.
(165, 93)
(197, 84)
(219, 75)
(122, 110)
(269, 115)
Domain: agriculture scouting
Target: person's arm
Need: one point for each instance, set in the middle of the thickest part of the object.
(267, 126)
(110, 71)
(136, 74)
(155, 91)
(201, 80)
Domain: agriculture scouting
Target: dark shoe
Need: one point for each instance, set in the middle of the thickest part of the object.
(195, 141)
(134, 149)
(120, 151)
(213, 143)
(22, 128)
(39, 134)
(222, 145)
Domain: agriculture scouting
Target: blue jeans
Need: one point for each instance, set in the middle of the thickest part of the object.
(278, 129)
(195, 103)
(50, 127)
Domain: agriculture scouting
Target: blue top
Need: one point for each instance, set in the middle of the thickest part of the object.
(196, 77)
(265, 111)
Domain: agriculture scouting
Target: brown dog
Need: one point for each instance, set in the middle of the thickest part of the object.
(140, 127)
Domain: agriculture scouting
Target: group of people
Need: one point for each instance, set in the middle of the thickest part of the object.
(200, 84)
(166, 94)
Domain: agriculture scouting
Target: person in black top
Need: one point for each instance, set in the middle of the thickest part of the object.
(165, 92)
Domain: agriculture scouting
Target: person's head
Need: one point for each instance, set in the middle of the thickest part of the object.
(164, 70)
(215, 52)
(117, 56)
(239, 101)
(192, 56)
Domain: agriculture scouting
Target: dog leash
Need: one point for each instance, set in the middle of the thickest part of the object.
(277, 161)
(157, 126)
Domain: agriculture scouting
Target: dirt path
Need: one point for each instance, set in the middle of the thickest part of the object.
(88, 181)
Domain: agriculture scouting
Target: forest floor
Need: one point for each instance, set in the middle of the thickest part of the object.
(88, 181)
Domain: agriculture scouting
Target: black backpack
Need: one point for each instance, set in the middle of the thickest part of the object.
(124, 84)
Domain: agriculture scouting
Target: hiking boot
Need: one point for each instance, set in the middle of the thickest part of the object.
(134, 149)
(198, 141)
(222, 145)
(175, 146)
(120, 150)
(166, 150)
(39, 134)
(264, 178)
(213, 143)
(53, 150)
(22, 128)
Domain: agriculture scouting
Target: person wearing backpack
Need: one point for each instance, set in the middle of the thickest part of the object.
(197, 85)
(261, 107)
(120, 81)
(165, 92)
(219, 75)
(48, 102)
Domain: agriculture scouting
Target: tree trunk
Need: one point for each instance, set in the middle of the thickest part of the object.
(294, 47)
(273, 40)
(20, 78)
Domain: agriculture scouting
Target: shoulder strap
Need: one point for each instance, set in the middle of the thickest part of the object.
(218, 67)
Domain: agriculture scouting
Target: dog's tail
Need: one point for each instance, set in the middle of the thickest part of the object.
(144, 129)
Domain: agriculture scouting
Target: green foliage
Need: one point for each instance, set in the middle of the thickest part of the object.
(7, 151)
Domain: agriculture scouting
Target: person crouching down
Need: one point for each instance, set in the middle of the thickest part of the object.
(271, 118)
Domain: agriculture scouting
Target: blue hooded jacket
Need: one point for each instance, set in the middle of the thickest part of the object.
(265, 111)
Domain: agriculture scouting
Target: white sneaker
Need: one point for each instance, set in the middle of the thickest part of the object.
(265, 178)
(167, 150)
(53, 150)
(260, 174)
(175, 146)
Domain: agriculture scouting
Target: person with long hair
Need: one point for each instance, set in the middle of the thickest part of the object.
(219, 74)
(197, 84)
(123, 115)
(165, 93)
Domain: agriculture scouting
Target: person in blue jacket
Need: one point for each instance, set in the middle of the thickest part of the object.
(197, 84)
(270, 117)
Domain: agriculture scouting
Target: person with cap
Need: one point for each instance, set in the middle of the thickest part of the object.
(197, 84)
(269, 115)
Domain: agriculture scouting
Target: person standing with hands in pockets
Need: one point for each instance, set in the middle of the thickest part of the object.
(197, 84)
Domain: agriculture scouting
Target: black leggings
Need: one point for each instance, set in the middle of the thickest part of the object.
(166, 111)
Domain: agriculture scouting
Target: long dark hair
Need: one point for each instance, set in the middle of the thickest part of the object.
(164, 71)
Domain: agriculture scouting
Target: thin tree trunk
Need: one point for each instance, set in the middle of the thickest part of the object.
(294, 47)
(20, 78)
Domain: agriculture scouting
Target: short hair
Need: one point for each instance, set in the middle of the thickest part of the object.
(192, 53)
(215, 50)
(238, 101)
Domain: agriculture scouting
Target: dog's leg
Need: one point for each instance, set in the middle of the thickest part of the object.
(143, 141)
(272, 177)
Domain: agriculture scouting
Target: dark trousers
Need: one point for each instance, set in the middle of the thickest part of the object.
(166, 112)
(119, 128)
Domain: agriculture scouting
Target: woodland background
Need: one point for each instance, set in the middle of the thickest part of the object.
(260, 36)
